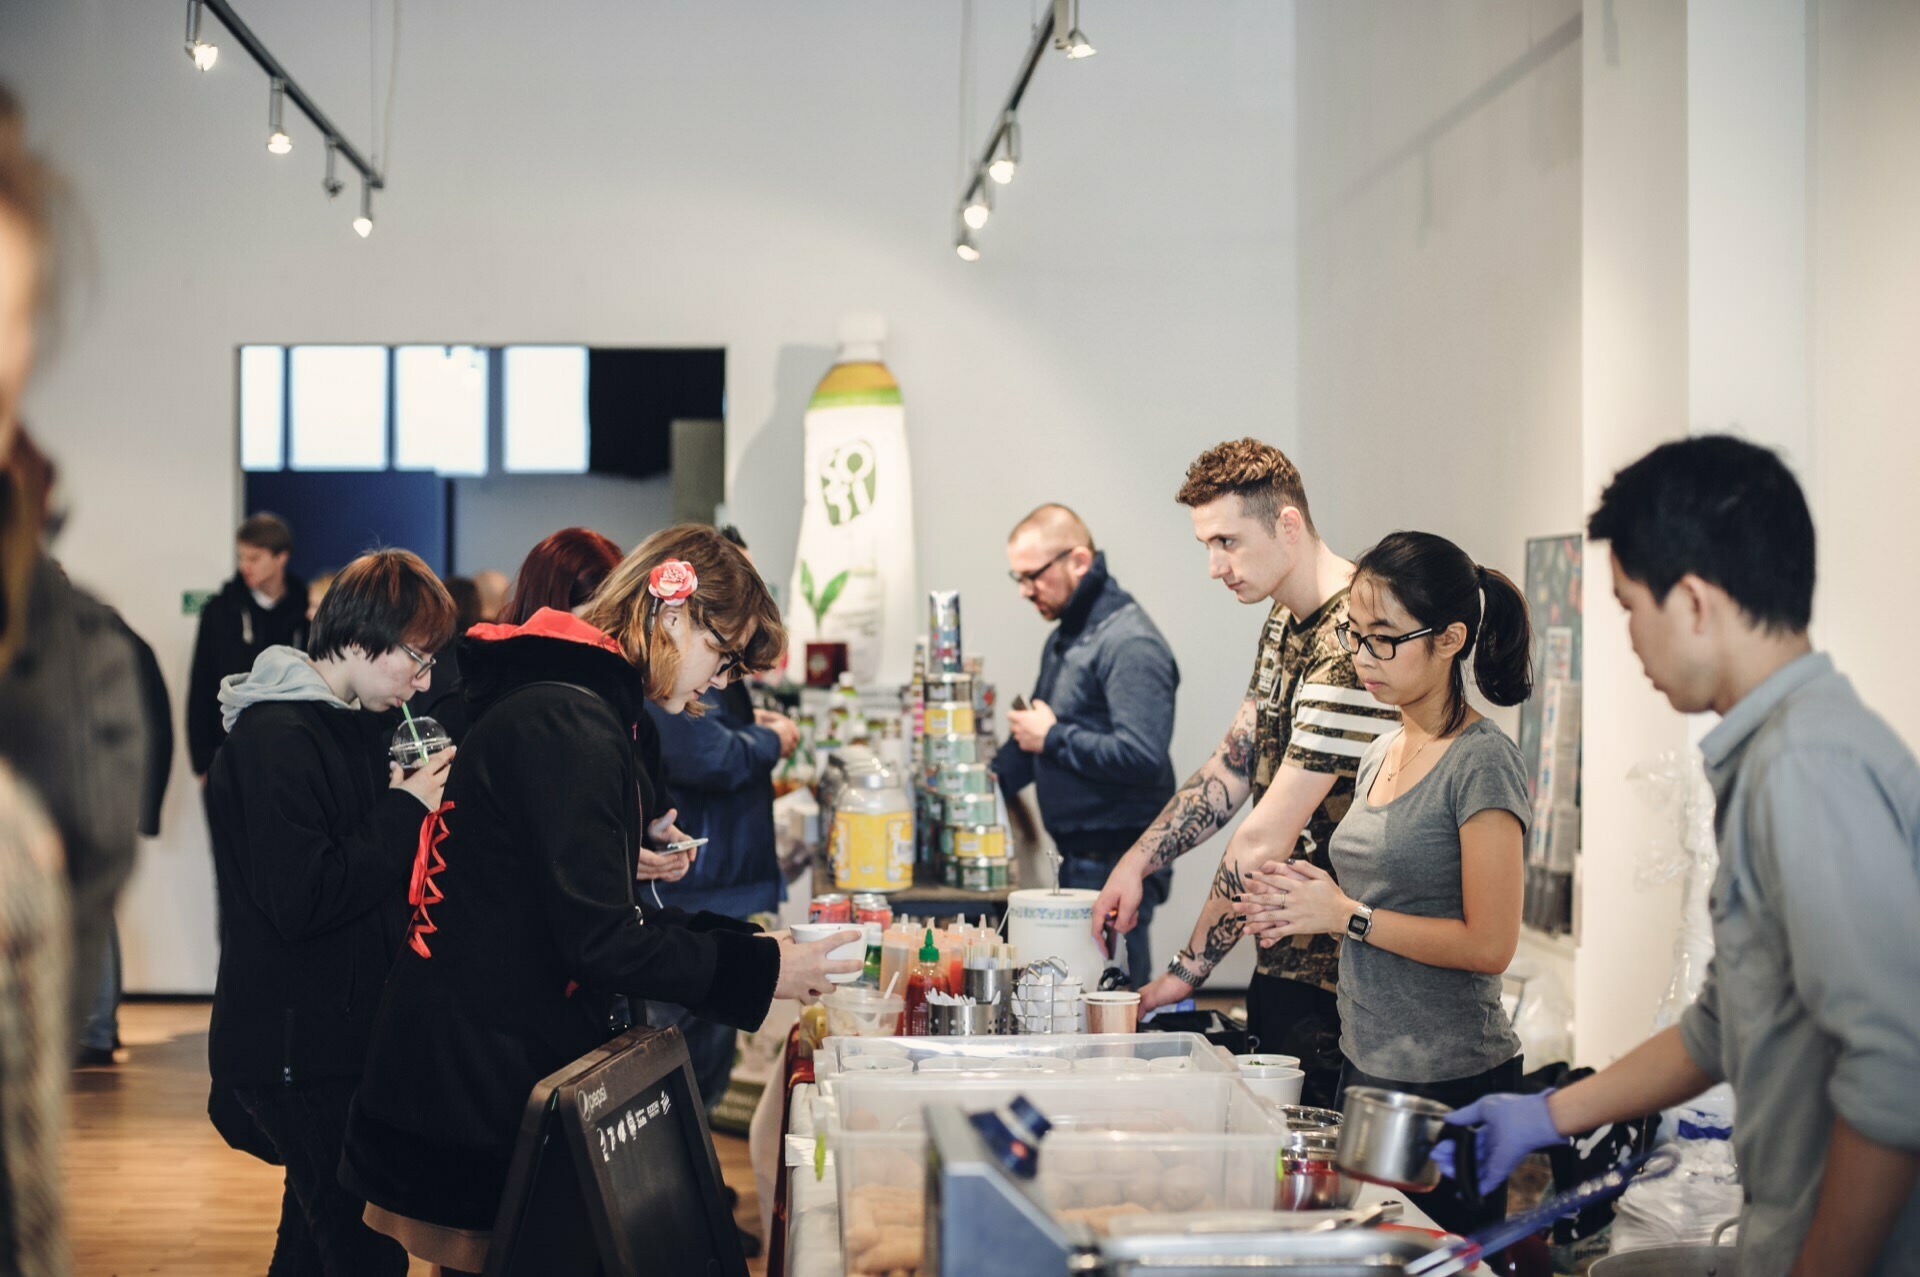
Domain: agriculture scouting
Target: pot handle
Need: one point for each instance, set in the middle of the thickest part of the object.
(1466, 1161)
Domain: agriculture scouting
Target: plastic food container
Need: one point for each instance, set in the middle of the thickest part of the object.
(855, 1012)
(1119, 1145)
(1161, 1052)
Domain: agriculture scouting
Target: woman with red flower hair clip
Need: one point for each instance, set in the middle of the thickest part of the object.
(532, 936)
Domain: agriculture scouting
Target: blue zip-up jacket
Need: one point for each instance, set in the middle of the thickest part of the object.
(1110, 679)
(719, 771)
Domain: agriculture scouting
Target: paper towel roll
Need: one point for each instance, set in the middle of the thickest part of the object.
(1042, 923)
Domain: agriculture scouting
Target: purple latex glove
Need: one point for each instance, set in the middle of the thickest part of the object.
(1509, 1127)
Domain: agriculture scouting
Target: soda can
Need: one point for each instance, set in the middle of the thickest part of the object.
(872, 907)
(834, 906)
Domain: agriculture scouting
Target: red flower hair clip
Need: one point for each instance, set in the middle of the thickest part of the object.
(672, 582)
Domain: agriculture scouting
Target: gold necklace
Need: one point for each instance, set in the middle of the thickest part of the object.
(1405, 763)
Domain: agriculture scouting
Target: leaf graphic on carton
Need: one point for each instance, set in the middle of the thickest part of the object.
(819, 603)
(847, 486)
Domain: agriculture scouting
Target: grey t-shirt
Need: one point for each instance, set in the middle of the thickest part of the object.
(1403, 1020)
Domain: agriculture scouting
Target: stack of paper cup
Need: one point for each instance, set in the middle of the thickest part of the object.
(1274, 1078)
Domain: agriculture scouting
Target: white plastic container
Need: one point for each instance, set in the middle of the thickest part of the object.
(1161, 1052)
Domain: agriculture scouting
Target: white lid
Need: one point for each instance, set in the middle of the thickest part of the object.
(863, 328)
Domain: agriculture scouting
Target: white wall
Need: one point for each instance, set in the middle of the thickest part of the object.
(664, 174)
(1440, 272)
(1865, 183)
(497, 519)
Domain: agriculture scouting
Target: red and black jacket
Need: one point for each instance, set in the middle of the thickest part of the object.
(527, 930)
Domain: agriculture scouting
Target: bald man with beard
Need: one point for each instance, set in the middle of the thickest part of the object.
(1094, 740)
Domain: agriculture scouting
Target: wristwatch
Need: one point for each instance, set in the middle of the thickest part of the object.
(1360, 923)
(1181, 971)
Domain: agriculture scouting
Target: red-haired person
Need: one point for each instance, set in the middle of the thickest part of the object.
(313, 840)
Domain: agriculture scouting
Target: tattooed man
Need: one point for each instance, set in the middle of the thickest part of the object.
(1293, 748)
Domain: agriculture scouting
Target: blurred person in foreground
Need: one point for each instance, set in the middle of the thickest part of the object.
(314, 831)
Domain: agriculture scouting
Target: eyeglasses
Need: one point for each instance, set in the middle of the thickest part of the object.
(732, 665)
(1028, 578)
(1381, 647)
(424, 662)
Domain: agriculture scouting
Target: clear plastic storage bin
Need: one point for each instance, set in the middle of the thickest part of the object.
(1119, 1145)
(1156, 1053)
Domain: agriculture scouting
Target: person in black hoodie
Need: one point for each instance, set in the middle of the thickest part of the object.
(528, 936)
(263, 606)
(312, 843)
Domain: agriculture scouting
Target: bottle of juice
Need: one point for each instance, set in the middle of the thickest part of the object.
(927, 975)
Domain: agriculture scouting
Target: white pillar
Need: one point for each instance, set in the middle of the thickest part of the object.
(1634, 340)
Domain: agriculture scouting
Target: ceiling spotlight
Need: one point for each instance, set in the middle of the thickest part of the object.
(964, 246)
(278, 142)
(1076, 44)
(979, 207)
(1006, 156)
(204, 55)
(331, 184)
(363, 224)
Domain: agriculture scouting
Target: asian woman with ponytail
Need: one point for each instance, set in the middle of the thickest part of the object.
(1430, 857)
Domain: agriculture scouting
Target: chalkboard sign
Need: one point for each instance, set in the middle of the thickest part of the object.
(614, 1172)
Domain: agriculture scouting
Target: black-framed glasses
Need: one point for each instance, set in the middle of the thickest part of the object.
(1381, 647)
(1028, 578)
(732, 665)
(425, 663)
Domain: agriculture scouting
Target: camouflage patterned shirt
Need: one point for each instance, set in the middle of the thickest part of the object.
(1315, 715)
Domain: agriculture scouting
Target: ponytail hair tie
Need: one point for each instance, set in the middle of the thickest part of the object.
(672, 582)
(1480, 575)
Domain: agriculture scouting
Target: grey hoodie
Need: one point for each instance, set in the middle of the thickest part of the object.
(279, 673)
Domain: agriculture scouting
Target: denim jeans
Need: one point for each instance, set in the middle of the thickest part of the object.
(102, 1029)
(710, 1045)
(1091, 872)
(321, 1232)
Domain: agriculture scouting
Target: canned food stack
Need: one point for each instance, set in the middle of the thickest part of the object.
(959, 839)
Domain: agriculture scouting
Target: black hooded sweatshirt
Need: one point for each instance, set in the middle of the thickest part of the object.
(234, 630)
(528, 932)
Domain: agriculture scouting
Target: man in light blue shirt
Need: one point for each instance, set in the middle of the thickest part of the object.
(1811, 1007)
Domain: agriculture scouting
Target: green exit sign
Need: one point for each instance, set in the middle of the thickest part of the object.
(193, 601)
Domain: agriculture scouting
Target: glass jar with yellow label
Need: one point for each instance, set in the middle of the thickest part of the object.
(872, 836)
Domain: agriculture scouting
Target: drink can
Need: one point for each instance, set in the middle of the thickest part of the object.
(872, 907)
(831, 907)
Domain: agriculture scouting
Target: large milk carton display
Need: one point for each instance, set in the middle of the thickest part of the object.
(853, 569)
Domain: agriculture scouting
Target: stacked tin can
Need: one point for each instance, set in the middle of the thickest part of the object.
(959, 833)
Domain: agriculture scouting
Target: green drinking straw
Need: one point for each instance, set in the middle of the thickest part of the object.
(413, 731)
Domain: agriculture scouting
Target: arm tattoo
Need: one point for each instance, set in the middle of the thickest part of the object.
(1201, 806)
(1236, 753)
(1225, 930)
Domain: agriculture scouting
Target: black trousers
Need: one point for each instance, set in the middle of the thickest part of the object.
(321, 1232)
(1443, 1203)
(1289, 1017)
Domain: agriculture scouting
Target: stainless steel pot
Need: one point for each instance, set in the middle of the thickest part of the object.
(1308, 1176)
(1691, 1260)
(1388, 1137)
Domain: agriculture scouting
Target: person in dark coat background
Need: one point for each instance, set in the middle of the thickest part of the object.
(528, 936)
(263, 606)
(313, 837)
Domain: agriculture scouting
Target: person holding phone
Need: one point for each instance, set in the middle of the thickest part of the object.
(313, 836)
(528, 938)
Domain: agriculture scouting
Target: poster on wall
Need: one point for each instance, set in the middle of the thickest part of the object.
(1550, 729)
(853, 567)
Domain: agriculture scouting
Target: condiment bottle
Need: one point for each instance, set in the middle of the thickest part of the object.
(926, 976)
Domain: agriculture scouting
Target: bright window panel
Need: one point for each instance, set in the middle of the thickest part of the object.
(546, 408)
(440, 409)
(338, 405)
(263, 385)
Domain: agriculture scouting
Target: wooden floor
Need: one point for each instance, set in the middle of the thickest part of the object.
(151, 1189)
